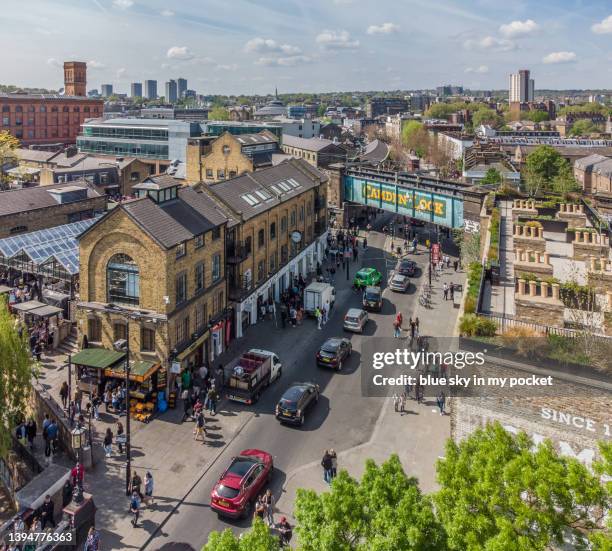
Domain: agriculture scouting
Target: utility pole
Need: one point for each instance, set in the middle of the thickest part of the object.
(128, 455)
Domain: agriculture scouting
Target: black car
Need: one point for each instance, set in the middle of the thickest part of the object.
(333, 352)
(406, 267)
(293, 404)
(372, 299)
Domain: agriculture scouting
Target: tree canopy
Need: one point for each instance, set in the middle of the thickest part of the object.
(584, 127)
(415, 137)
(258, 538)
(493, 176)
(537, 116)
(8, 145)
(487, 116)
(545, 161)
(218, 113)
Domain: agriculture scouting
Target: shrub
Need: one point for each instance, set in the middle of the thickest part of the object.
(470, 305)
(467, 325)
(472, 325)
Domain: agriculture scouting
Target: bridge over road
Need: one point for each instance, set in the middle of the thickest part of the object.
(448, 204)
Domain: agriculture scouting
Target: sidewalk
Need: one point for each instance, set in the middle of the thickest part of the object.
(417, 436)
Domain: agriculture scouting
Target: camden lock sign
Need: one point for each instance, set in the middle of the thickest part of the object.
(408, 199)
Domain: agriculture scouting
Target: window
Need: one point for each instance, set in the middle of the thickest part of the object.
(76, 109)
(147, 339)
(273, 262)
(123, 280)
(53, 110)
(226, 150)
(181, 250)
(94, 330)
(216, 267)
(248, 245)
(261, 270)
(201, 315)
(66, 109)
(209, 173)
(134, 176)
(31, 109)
(182, 330)
(292, 219)
(86, 109)
(302, 213)
(221, 173)
(6, 109)
(217, 303)
(199, 276)
(199, 241)
(18, 229)
(18, 109)
(6, 121)
(273, 230)
(216, 234)
(261, 238)
(283, 224)
(43, 109)
(181, 288)
(119, 331)
(232, 173)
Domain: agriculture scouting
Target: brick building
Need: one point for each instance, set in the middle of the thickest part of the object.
(277, 230)
(157, 264)
(38, 208)
(316, 151)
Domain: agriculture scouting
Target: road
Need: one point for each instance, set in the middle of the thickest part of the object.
(342, 418)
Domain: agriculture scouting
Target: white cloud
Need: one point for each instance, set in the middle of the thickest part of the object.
(267, 45)
(167, 13)
(519, 28)
(121, 72)
(385, 28)
(123, 4)
(490, 43)
(93, 64)
(180, 52)
(336, 40)
(559, 57)
(481, 69)
(227, 67)
(605, 27)
(53, 62)
(289, 61)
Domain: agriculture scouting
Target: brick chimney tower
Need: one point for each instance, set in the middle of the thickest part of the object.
(75, 78)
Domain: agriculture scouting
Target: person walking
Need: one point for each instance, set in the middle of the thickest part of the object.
(95, 404)
(31, 432)
(213, 397)
(326, 463)
(403, 403)
(319, 317)
(396, 329)
(412, 328)
(441, 400)
(456, 264)
(199, 426)
(64, 394)
(149, 488)
(108, 443)
(136, 484)
(186, 404)
(293, 316)
(445, 289)
(451, 290)
(92, 543)
(135, 508)
(78, 400)
(47, 512)
(334, 467)
(268, 501)
(120, 437)
(396, 401)
(400, 319)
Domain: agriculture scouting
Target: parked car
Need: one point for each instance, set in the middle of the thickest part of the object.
(333, 352)
(241, 483)
(355, 320)
(294, 403)
(372, 298)
(406, 267)
(367, 276)
(399, 282)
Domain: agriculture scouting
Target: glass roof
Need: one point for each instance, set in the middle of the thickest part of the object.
(44, 246)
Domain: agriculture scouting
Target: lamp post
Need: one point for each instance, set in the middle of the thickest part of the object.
(128, 450)
(77, 435)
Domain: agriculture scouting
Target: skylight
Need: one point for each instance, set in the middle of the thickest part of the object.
(250, 199)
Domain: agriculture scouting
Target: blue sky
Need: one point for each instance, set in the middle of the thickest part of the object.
(251, 46)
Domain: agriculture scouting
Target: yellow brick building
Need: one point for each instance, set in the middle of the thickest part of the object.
(155, 266)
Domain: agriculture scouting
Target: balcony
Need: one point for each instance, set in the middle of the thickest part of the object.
(236, 253)
(240, 289)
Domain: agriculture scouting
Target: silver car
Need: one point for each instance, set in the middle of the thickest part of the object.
(399, 282)
(355, 320)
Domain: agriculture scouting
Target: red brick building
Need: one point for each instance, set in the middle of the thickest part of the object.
(46, 118)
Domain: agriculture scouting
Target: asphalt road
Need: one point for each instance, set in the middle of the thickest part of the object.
(342, 418)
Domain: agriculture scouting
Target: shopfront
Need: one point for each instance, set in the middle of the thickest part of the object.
(304, 264)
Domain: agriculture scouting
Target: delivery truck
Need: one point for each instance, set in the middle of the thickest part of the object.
(317, 294)
(246, 377)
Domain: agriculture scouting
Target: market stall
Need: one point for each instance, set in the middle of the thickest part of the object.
(33, 312)
(90, 365)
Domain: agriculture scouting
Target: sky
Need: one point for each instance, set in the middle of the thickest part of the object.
(253, 46)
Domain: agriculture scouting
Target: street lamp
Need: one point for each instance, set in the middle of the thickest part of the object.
(128, 449)
(78, 439)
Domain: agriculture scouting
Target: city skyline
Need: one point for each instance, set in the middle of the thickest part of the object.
(313, 47)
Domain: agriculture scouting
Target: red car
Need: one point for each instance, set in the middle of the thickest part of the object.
(241, 483)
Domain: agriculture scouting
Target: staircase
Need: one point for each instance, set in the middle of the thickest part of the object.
(69, 345)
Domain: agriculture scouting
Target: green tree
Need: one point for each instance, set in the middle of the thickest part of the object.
(321, 108)
(16, 371)
(584, 127)
(385, 510)
(8, 155)
(537, 116)
(565, 182)
(415, 137)
(498, 493)
(258, 538)
(493, 176)
(544, 161)
(487, 116)
(218, 113)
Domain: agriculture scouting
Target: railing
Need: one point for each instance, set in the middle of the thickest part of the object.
(504, 323)
(481, 289)
(241, 289)
(236, 253)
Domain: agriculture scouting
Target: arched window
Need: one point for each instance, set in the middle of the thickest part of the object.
(123, 280)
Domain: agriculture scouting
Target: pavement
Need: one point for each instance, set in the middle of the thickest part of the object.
(357, 427)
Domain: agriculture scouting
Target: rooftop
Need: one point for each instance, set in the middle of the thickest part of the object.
(255, 139)
(50, 97)
(308, 144)
(160, 181)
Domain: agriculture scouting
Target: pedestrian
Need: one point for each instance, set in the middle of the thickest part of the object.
(95, 404)
(213, 397)
(52, 432)
(268, 501)
(38, 351)
(400, 319)
(199, 426)
(78, 400)
(283, 310)
(92, 543)
(319, 317)
(47, 512)
(108, 398)
(396, 401)
(136, 484)
(293, 316)
(31, 432)
(355, 253)
(441, 400)
(77, 474)
(325, 312)
(120, 436)
(445, 289)
(412, 328)
(108, 442)
(149, 488)
(456, 264)
(64, 394)
(260, 509)
(186, 404)
(416, 322)
(452, 291)
(402, 403)
(285, 531)
(334, 467)
(447, 261)
(115, 399)
(326, 463)
(396, 329)
(135, 508)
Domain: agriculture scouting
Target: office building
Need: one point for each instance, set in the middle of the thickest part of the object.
(181, 87)
(385, 106)
(136, 90)
(75, 78)
(171, 91)
(150, 89)
(521, 87)
(302, 111)
(107, 90)
(174, 113)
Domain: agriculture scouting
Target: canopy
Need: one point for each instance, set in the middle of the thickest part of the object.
(100, 358)
(140, 370)
(36, 308)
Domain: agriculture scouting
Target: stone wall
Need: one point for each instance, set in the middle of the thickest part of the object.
(533, 262)
(536, 311)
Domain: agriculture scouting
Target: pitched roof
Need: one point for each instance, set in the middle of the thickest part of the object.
(589, 161)
(604, 168)
(253, 193)
(22, 200)
(157, 182)
(33, 155)
(265, 136)
(308, 144)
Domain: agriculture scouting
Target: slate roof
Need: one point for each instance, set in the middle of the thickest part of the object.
(159, 181)
(590, 161)
(308, 144)
(272, 182)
